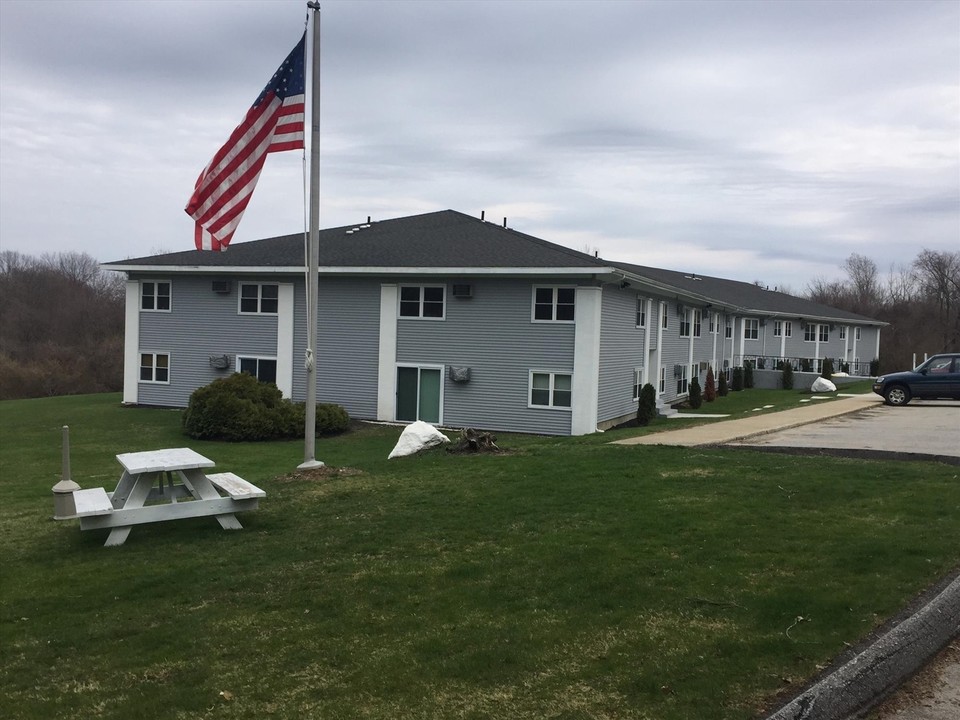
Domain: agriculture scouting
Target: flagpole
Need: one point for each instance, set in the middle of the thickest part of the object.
(313, 250)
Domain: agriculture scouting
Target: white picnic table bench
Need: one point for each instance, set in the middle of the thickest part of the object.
(160, 485)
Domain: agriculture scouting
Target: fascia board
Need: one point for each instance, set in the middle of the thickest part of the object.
(366, 270)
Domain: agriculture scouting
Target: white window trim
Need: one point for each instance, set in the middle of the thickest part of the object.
(842, 333)
(418, 367)
(421, 286)
(140, 355)
(812, 335)
(638, 383)
(686, 320)
(788, 328)
(239, 356)
(856, 334)
(641, 310)
(555, 288)
(751, 323)
(552, 374)
(778, 328)
(697, 324)
(259, 311)
(155, 309)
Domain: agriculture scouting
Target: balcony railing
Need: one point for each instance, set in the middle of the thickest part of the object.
(860, 368)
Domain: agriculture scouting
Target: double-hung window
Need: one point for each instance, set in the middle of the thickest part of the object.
(824, 333)
(550, 390)
(856, 334)
(697, 322)
(728, 329)
(259, 298)
(685, 323)
(155, 296)
(263, 369)
(809, 332)
(641, 312)
(154, 367)
(637, 382)
(683, 380)
(422, 301)
(554, 304)
(751, 329)
(843, 332)
(664, 320)
(778, 328)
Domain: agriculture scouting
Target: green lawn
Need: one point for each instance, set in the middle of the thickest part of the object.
(567, 578)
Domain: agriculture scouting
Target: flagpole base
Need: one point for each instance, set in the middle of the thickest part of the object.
(310, 465)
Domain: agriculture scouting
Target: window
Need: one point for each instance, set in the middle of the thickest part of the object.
(259, 299)
(788, 328)
(664, 322)
(641, 312)
(777, 328)
(154, 367)
(685, 323)
(554, 304)
(682, 379)
(663, 379)
(751, 329)
(263, 369)
(550, 389)
(697, 322)
(728, 330)
(782, 328)
(713, 323)
(856, 334)
(824, 333)
(809, 332)
(843, 332)
(422, 301)
(637, 382)
(155, 296)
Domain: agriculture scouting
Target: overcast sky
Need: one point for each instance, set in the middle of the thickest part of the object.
(751, 140)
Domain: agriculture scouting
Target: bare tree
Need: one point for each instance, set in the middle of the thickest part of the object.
(938, 275)
(864, 283)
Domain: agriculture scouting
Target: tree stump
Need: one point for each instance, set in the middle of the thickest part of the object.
(471, 441)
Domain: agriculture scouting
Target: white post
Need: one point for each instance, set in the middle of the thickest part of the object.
(313, 252)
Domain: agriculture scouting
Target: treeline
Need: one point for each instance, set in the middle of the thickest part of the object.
(61, 326)
(921, 301)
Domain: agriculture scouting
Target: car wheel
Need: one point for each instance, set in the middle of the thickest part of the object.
(897, 395)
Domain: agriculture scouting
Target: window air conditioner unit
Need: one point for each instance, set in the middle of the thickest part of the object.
(221, 287)
(463, 291)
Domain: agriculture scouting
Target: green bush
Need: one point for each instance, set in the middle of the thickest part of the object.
(696, 396)
(737, 384)
(647, 409)
(748, 374)
(826, 370)
(722, 388)
(331, 419)
(240, 408)
(875, 367)
(710, 386)
(786, 375)
(806, 365)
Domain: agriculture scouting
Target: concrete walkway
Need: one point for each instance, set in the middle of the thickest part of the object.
(726, 431)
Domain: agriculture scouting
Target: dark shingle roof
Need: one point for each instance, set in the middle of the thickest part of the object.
(449, 239)
(434, 240)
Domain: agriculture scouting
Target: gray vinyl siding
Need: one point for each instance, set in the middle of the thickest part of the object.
(347, 343)
(676, 351)
(621, 352)
(492, 334)
(202, 323)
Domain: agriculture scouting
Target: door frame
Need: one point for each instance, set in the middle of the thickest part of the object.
(419, 367)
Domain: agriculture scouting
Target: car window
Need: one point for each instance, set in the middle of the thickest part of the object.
(940, 366)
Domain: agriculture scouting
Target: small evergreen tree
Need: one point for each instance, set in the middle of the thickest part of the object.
(722, 389)
(710, 388)
(737, 384)
(786, 375)
(827, 368)
(696, 396)
(748, 374)
(875, 367)
(647, 409)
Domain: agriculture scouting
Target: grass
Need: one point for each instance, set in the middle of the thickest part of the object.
(566, 579)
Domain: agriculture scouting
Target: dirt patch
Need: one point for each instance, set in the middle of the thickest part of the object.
(317, 474)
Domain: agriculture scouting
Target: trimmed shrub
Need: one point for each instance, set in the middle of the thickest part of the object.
(240, 408)
(722, 389)
(875, 367)
(696, 396)
(826, 370)
(647, 407)
(748, 374)
(737, 384)
(786, 375)
(710, 386)
(806, 365)
(331, 419)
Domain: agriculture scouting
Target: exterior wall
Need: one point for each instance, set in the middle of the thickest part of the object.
(492, 334)
(622, 346)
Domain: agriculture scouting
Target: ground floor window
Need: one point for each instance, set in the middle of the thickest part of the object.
(263, 369)
(154, 367)
(550, 389)
(683, 379)
(419, 393)
(637, 382)
(663, 380)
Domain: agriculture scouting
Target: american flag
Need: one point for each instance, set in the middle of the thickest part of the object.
(274, 124)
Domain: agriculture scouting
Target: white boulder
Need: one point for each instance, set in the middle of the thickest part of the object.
(821, 384)
(415, 437)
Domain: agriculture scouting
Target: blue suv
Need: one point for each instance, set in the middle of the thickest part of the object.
(938, 377)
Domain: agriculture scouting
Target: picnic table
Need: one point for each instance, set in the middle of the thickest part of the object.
(161, 485)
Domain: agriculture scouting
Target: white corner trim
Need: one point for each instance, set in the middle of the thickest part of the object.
(285, 339)
(586, 361)
(131, 344)
(387, 357)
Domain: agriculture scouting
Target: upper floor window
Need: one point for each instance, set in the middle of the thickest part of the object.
(154, 367)
(422, 301)
(809, 332)
(554, 304)
(664, 321)
(856, 333)
(843, 332)
(685, 323)
(263, 369)
(713, 323)
(259, 299)
(782, 328)
(641, 312)
(155, 296)
(697, 322)
(751, 329)
(824, 333)
(728, 329)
